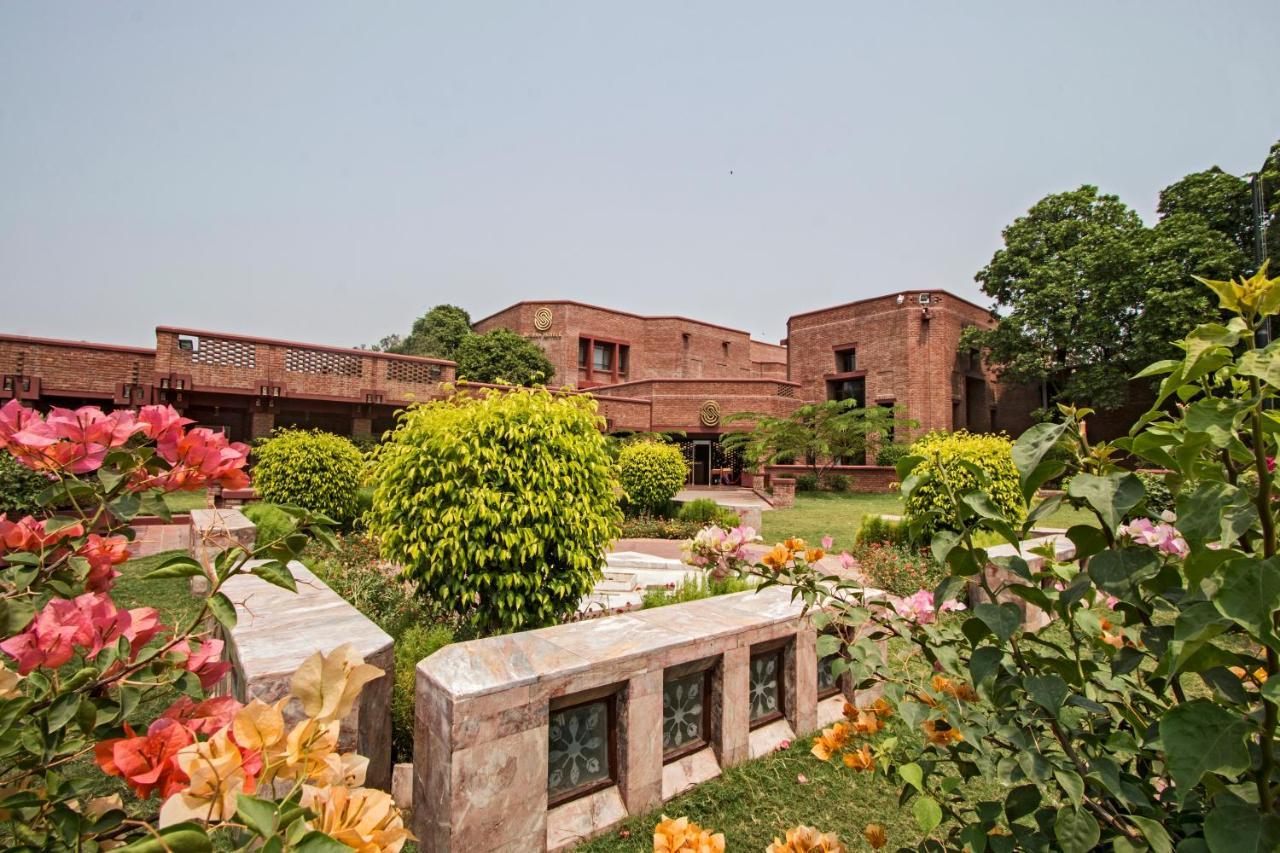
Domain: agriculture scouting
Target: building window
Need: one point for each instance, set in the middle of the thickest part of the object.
(848, 389)
(582, 747)
(726, 349)
(624, 359)
(686, 710)
(765, 678)
(584, 346)
(888, 433)
(602, 358)
(846, 360)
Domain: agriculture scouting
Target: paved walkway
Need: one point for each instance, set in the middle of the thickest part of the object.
(673, 549)
(725, 496)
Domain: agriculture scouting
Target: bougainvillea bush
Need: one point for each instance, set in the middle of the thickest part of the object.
(1144, 716)
(77, 671)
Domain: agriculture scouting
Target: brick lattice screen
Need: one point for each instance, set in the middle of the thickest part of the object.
(408, 371)
(224, 352)
(319, 361)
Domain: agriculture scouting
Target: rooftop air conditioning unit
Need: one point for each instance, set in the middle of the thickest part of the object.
(924, 298)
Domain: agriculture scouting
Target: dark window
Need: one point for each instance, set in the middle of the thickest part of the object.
(582, 748)
(602, 358)
(686, 711)
(624, 358)
(888, 433)
(848, 389)
(726, 349)
(846, 360)
(583, 346)
(766, 682)
(828, 681)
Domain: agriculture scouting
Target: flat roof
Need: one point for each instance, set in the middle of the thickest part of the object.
(619, 311)
(176, 330)
(911, 292)
(62, 342)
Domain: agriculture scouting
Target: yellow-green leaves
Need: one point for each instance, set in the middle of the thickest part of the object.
(651, 472)
(315, 470)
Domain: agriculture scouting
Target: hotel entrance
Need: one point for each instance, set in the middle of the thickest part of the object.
(710, 464)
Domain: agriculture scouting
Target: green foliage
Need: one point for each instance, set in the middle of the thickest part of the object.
(651, 473)
(20, 487)
(834, 482)
(503, 357)
(957, 463)
(807, 483)
(877, 528)
(272, 523)
(356, 572)
(692, 589)
(1159, 497)
(822, 433)
(1149, 725)
(889, 454)
(707, 511)
(315, 470)
(500, 504)
(416, 643)
(650, 527)
(438, 333)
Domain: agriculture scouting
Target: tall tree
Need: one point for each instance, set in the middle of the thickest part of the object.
(1069, 282)
(504, 357)
(821, 434)
(438, 333)
(1222, 200)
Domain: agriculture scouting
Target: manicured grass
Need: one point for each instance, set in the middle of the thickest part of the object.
(185, 501)
(818, 514)
(757, 801)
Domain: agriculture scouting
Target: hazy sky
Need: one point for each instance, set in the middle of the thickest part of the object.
(327, 171)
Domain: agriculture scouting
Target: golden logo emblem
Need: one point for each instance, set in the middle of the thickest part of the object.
(542, 319)
(709, 414)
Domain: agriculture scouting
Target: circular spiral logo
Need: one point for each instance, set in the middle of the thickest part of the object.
(709, 414)
(542, 319)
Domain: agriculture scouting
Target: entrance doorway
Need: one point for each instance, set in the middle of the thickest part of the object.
(710, 464)
(700, 463)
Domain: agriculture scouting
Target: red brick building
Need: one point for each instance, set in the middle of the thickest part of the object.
(649, 374)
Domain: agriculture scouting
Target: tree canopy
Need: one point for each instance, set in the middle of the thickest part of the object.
(437, 333)
(819, 434)
(504, 357)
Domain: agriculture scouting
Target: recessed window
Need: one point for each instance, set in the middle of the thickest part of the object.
(846, 360)
(848, 389)
(766, 691)
(602, 357)
(582, 748)
(584, 348)
(686, 709)
(624, 358)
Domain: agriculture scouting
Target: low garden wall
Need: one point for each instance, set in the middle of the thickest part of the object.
(867, 479)
(276, 630)
(554, 735)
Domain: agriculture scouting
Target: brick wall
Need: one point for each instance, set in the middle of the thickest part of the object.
(210, 361)
(659, 347)
(35, 368)
(677, 404)
(906, 353)
(864, 479)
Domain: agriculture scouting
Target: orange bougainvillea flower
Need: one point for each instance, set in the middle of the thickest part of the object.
(866, 722)
(860, 759)
(941, 732)
(813, 555)
(830, 742)
(364, 819)
(806, 839)
(795, 546)
(148, 762)
(1259, 675)
(956, 690)
(777, 558)
(680, 835)
(874, 833)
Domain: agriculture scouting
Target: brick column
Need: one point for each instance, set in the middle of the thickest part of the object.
(262, 425)
(734, 713)
(361, 427)
(784, 492)
(641, 736)
(804, 711)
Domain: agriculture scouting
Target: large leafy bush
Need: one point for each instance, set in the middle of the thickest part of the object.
(504, 357)
(651, 473)
(499, 504)
(1145, 716)
(20, 487)
(946, 464)
(89, 689)
(315, 470)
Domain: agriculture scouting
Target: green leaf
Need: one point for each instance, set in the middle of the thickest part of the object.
(912, 775)
(187, 837)
(223, 610)
(1071, 784)
(1111, 496)
(984, 664)
(1200, 737)
(1236, 827)
(1119, 571)
(258, 814)
(928, 814)
(62, 710)
(1076, 830)
(277, 573)
(1003, 619)
(1154, 832)
(1021, 801)
(828, 645)
(15, 615)
(1249, 593)
(317, 842)
(1047, 691)
(175, 567)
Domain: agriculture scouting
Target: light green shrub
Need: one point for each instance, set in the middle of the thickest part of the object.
(651, 472)
(889, 454)
(416, 643)
(692, 589)
(928, 506)
(318, 471)
(877, 528)
(707, 511)
(1159, 497)
(500, 504)
(807, 483)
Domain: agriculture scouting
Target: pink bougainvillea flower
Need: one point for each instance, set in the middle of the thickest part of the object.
(919, 607)
(200, 458)
(206, 716)
(827, 542)
(163, 425)
(1163, 537)
(147, 763)
(104, 553)
(204, 663)
(27, 534)
(89, 622)
(24, 433)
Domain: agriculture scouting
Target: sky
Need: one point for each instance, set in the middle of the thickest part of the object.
(326, 172)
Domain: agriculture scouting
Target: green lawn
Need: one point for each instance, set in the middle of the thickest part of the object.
(185, 501)
(818, 514)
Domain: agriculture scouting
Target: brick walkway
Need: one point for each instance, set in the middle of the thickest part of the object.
(158, 538)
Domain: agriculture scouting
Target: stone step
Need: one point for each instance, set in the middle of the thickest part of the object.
(638, 560)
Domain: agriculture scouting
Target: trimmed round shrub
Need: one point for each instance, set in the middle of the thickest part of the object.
(315, 470)
(499, 503)
(20, 487)
(889, 454)
(651, 472)
(992, 454)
